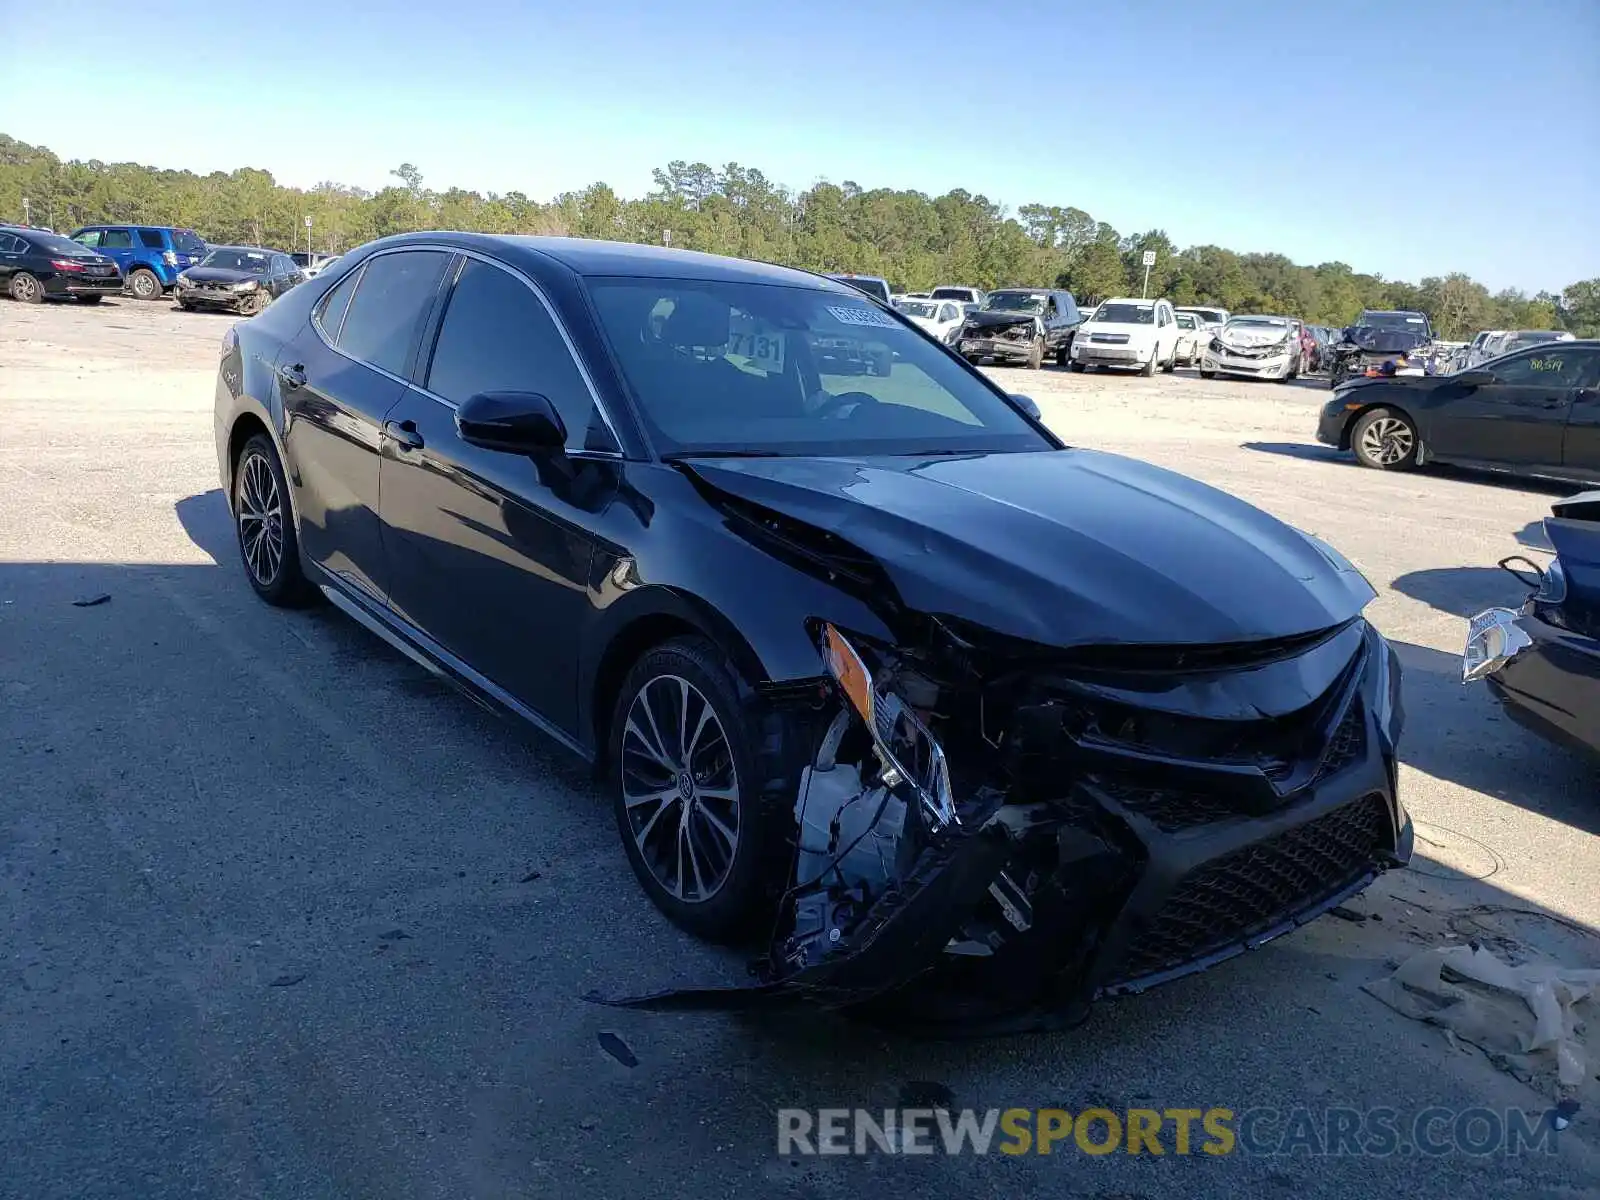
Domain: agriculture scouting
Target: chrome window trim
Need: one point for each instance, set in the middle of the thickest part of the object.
(515, 273)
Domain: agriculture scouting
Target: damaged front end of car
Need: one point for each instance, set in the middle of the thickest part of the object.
(992, 833)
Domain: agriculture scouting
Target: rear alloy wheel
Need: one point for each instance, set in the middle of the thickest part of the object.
(1385, 440)
(686, 800)
(265, 525)
(144, 285)
(26, 288)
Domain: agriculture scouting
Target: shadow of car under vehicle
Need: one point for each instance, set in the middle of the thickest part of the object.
(1310, 451)
(1461, 591)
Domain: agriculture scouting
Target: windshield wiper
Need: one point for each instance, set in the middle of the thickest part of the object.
(680, 455)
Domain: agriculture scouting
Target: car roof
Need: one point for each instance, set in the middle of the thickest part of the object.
(585, 256)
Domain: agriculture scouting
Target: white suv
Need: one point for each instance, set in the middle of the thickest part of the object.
(1127, 332)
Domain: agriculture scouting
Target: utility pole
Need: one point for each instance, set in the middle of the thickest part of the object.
(308, 239)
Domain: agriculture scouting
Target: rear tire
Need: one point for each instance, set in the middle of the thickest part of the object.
(26, 289)
(1385, 440)
(263, 523)
(686, 794)
(1080, 367)
(1064, 355)
(144, 284)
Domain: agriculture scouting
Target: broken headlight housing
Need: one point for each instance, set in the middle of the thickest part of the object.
(907, 750)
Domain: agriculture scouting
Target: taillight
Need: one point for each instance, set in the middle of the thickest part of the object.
(66, 264)
(170, 258)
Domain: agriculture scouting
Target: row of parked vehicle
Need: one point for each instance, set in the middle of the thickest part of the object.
(147, 262)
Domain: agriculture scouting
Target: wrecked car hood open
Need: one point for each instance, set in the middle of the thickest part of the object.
(1062, 548)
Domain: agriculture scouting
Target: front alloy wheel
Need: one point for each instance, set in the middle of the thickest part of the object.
(1385, 440)
(682, 770)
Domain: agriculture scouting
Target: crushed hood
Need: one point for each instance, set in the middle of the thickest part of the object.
(1064, 548)
(985, 317)
(1373, 340)
(222, 275)
(1253, 337)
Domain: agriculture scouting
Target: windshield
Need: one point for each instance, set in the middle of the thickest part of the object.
(919, 308)
(186, 241)
(1113, 313)
(238, 260)
(1410, 322)
(952, 293)
(1016, 302)
(763, 369)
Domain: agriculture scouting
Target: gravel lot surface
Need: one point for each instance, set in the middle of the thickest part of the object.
(284, 917)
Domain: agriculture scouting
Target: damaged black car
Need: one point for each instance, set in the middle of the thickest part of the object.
(1541, 662)
(875, 667)
(1382, 344)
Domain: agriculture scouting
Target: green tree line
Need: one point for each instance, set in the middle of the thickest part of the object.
(914, 240)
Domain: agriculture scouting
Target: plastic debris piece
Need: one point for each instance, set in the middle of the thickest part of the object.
(618, 1049)
(91, 601)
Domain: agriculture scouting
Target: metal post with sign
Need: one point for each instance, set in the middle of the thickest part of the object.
(27, 212)
(1149, 261)
(308, 239)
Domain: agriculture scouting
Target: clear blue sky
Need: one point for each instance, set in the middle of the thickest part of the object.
(1408, 139)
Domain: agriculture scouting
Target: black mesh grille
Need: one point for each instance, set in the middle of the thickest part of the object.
(1168, 809)
(1255, 888)
(1349, 742)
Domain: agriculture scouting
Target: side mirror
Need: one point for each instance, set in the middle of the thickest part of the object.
(1475, 378)
(1026, 404)
(516, 422)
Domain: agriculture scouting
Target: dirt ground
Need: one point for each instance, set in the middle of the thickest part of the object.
(281, 917)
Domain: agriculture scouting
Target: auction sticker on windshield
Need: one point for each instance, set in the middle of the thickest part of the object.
(763, 348)
(852, 315)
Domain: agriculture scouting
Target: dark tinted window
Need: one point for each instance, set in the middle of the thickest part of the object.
(1553, 366)
(186, 241)
(90, 237)
(497, 337)
(152, 238)
(391, 303)
(117, 239)
(331, 315)
(11, 245)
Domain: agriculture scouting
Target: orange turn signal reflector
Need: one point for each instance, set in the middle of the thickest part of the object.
(845, 665)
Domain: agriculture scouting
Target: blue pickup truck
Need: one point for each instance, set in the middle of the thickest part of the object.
(150, 255)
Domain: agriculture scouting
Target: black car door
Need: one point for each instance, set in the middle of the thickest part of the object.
(11, 251)
(1517, 417)
(1580, 452)
(489, 551)
(338, 379)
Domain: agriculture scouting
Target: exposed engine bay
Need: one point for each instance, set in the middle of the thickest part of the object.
(990, 835)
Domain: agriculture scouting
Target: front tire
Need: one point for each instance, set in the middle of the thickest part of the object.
(264, 524)
(1149, 369)
(1036, 355)
(685, 790)
(144, 284)
(1080, 367)
(1205, 374)
(1385, 440)
(26, 289)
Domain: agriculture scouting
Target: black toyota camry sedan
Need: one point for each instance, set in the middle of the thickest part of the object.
(868, 659)
(1532, 412)
(241, 279)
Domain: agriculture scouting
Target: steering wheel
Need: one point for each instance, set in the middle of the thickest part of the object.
(833, 404)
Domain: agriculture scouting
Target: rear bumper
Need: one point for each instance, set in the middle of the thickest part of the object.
(74, 285)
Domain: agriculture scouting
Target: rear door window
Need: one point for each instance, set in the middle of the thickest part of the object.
(89, 237)
(152, 239)
(391, 302)
(117, 239)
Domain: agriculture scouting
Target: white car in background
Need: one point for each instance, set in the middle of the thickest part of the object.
(1211, 319)
(940, 319)
(1192, 338)
(318, 265)
(976, 297)
(1128, 332)
(1262, 347)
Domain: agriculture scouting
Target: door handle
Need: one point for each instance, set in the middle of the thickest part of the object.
(403, 432)
(293, 376)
